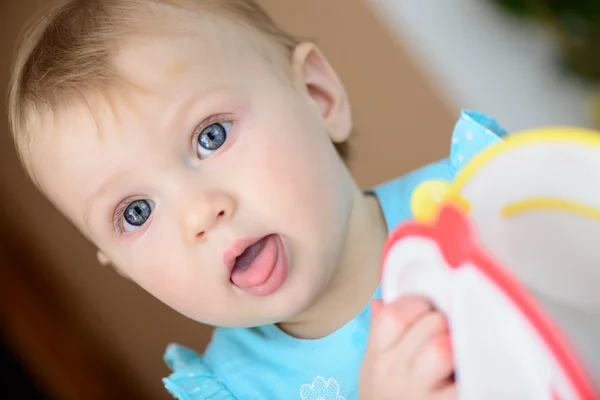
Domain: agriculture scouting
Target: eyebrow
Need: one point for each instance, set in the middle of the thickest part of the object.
(180, 111)
(100, 191)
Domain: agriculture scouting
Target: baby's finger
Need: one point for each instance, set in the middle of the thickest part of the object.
(395, 318)
(427, 356)
(448, 392)
(435, 364)
(376, 306)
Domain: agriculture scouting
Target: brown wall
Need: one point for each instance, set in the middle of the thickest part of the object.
(400, 123)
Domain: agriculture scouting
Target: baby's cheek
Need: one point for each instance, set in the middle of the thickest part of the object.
(303, 193)
(302, 175)
(150, 265)
(174, 285)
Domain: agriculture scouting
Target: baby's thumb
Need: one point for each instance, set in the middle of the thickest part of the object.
(385, 329)
(376, 306)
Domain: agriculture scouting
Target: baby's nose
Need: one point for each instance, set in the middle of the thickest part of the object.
(202, 214)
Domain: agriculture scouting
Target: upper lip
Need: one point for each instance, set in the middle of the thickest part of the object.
(236, 250)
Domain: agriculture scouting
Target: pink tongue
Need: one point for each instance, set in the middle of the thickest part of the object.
(254, 266)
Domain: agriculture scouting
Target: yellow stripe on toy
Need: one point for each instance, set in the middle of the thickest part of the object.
(541, 203)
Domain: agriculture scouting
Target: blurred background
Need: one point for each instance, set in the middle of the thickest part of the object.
(71, 329)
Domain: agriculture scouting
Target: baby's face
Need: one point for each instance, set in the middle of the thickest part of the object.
(216, 152)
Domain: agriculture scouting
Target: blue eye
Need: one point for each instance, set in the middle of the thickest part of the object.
(212, 138)
(136, 214)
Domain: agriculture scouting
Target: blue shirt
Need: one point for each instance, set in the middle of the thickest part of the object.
(264, 363)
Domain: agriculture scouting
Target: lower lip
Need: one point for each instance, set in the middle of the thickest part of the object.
(278, 274)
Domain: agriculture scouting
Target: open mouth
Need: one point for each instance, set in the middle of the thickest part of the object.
(261, 268)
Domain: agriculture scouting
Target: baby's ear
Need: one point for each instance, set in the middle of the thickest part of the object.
(325, 89)
(102, 258)
(105, 261)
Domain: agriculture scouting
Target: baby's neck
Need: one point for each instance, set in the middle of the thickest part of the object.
(357, 275)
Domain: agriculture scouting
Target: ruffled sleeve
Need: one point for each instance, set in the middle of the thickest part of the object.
(192, 378)
(473, 133)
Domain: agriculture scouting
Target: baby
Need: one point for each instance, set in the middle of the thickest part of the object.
(200, 148)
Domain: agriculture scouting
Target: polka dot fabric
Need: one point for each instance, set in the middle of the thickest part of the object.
(192, 379)
(473, 133)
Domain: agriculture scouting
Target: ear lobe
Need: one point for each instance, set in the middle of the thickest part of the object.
(102, 258)
(105, 261)
(326, 91)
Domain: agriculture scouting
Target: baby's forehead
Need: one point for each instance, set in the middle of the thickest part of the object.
(81, 149)
(152, 76)
(214, 45)
(70, 132)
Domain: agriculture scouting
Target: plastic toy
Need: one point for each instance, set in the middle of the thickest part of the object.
(510, 252)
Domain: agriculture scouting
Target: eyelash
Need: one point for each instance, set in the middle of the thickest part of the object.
(118, 216)
(120, 210)
(215, 119)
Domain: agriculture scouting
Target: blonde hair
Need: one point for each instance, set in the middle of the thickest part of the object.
(65, 52)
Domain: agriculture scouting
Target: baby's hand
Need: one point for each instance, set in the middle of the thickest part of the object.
(409, 355)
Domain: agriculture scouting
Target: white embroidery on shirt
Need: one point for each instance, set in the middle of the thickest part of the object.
(321, 390)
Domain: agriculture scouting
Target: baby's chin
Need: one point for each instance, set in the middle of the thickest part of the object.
(249, 313)
(283, 310)
(245, 321)
(294, 303)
